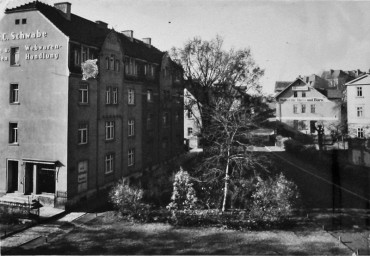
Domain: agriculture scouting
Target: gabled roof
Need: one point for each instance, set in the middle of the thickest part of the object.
(298, 79)
(281, 85)
(362, 80)
(88, 32)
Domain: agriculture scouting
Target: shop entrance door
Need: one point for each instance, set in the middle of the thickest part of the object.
(46, 179)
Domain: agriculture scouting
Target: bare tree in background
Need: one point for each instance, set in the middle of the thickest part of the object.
(206, 64)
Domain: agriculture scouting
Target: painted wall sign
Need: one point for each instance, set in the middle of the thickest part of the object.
(22, 35)
(301, 99)
(82, 176)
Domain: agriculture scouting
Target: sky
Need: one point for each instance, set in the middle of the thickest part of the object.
(287, 38)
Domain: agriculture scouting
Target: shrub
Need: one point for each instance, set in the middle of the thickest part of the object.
(183, 195)
(128, 201)
(274, 199)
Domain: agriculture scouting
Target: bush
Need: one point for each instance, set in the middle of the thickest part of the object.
(274, 200)
(183, 195)
(128, 201)
(293, 146)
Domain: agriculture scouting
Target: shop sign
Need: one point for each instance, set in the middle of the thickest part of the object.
(301, 99)
(32, 51)
(22, 35)
(82, 176)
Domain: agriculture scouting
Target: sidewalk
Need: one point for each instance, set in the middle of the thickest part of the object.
(39, 231)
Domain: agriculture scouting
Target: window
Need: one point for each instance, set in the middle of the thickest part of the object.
(84, 53)
(149, 95)
(152, 68)
(359, 111)
(165, 119)
(17, 22)
(190, 131)
(295, 94)
(24, 21)
(82, 134)
(14, 93)
(295, 108)
(91, 54)
(77, 57)
(108, 95)
(149, 122)
(188, 114)
(13, 133)
(131, 157)
(359, 91)
(83, 92)
(117, 65)
(303, 95)
(14, 56)
(109, 163)
(115, 95)
(313, 108)
(303, 108)
(295, 124)
(109, 130)
(112, 60)
(131, 96)
(360, 132)
(107, 63)
(130, 67)
(131, 127)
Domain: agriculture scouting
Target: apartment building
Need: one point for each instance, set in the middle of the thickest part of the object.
(358, 107)
(64, 138)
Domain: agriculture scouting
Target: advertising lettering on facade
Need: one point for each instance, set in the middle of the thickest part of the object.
(82, 176)
(33, 51)
(301, 99)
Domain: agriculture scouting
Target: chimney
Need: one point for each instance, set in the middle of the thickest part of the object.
(101, 24)
(129, 34)
(65, 8)
(148, 41)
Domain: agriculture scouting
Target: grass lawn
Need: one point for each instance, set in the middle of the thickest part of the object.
(108, 235)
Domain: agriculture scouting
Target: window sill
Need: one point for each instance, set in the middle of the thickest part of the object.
(109, 140)
(360, 97)
(13, 144)
(15, 65)
(83, 103)
(15, 103)
(82, 144)
(109, 173)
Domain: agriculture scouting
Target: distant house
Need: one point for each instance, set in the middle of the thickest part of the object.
(192, 120)
(358, 107)
(301, 106)
(337, 78)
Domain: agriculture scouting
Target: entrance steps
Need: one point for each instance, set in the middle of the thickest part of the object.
(9, 198)
(15, 198)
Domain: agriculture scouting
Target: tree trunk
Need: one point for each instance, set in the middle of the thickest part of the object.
(227, 177)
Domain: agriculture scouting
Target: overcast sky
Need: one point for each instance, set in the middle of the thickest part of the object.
(287, 38)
